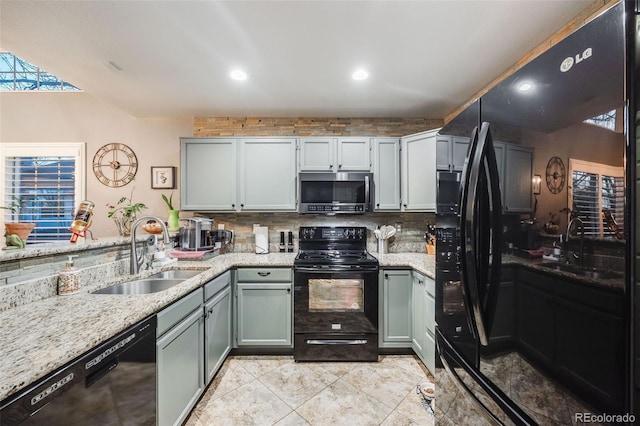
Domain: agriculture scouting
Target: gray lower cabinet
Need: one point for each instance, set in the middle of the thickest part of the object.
(217, 324)
(429, 350)
(264, 307)
(180, 358)
(407, 313)
(419, 324)
(395, 317)
(424, 311)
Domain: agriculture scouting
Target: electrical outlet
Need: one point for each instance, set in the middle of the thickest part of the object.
(398, 226)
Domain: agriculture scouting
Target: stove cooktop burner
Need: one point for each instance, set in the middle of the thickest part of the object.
(331, 257)
(333, 245)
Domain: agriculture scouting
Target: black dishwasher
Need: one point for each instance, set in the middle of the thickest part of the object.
(112, 384)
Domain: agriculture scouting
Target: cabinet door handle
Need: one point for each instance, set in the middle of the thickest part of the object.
(331, 166)
(386, 276)
(288, 290)
(233, 206)
(378, 205)
(405, 205)
(264, 274)
(241, 206)
(339, 166)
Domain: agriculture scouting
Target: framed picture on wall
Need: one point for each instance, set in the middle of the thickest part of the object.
(163, 177)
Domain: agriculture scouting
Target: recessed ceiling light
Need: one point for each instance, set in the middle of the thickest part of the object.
(238, 75)
(360, 75)
(525, 87)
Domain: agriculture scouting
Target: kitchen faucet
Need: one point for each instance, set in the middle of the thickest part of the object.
(580, 256)
(136, 262)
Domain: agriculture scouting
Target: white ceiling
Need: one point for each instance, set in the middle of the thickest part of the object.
(424, 57)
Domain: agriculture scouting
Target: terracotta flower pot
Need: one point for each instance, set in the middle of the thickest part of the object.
(21, 229)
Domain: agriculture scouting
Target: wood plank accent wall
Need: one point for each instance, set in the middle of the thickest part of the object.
(590, 12)
(311, 126)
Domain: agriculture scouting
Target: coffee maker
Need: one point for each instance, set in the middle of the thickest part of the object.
(196, 233)
(526, 236)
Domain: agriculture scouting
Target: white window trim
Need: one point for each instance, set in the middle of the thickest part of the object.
(71, 149)
(594, 168)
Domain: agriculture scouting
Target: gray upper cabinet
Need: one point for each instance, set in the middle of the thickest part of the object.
(418, 166)
(327, 154)
(386, 173)
(267, 174)
(518, 168)
(317, 154)
(515, 169)
(203, 161)
(451, 152)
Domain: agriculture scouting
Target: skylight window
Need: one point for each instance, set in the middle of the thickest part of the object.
(606, 120)
(16, 74)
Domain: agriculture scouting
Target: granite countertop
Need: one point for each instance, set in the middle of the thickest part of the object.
(39, 337)
(616, 284)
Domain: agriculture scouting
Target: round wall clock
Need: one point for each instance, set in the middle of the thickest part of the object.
(555, 175)
(115, 164)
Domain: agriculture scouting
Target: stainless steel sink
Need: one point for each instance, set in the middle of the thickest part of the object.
(582, 271)
(175, 274)
(143, 286)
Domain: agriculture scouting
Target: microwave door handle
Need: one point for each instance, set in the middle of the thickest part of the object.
(366, 192)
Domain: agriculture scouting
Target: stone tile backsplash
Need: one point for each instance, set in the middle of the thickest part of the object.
(409, 239)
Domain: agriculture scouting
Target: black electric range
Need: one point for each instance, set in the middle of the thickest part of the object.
(335, 296)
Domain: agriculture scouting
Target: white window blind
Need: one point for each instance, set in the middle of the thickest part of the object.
(47, 179)
(594, 188)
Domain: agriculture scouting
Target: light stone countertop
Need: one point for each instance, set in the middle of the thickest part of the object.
(40, 337)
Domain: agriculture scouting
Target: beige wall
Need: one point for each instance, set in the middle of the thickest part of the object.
(79, 117)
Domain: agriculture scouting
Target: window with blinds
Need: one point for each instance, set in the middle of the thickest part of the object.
(46, 186)
(597, 191)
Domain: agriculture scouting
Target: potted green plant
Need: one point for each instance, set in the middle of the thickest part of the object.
(17, 233)
(124, 213)
(173, 223)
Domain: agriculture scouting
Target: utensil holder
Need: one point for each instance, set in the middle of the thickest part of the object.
(383, 246)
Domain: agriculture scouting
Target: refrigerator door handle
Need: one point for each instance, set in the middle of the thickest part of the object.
(467, 262)
(477, 237)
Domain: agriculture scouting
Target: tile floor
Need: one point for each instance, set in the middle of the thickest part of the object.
(275, 390)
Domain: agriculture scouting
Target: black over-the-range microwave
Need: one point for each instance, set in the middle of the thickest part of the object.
(336, 193)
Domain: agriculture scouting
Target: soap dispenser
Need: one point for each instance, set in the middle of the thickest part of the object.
(68, 282)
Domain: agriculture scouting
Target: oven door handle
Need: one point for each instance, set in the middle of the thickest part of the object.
(336, 341)
(333, 269)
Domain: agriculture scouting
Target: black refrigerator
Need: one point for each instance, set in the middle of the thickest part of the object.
(548, 340)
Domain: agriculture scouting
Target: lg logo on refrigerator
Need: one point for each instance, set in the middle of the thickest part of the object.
(570, 61)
